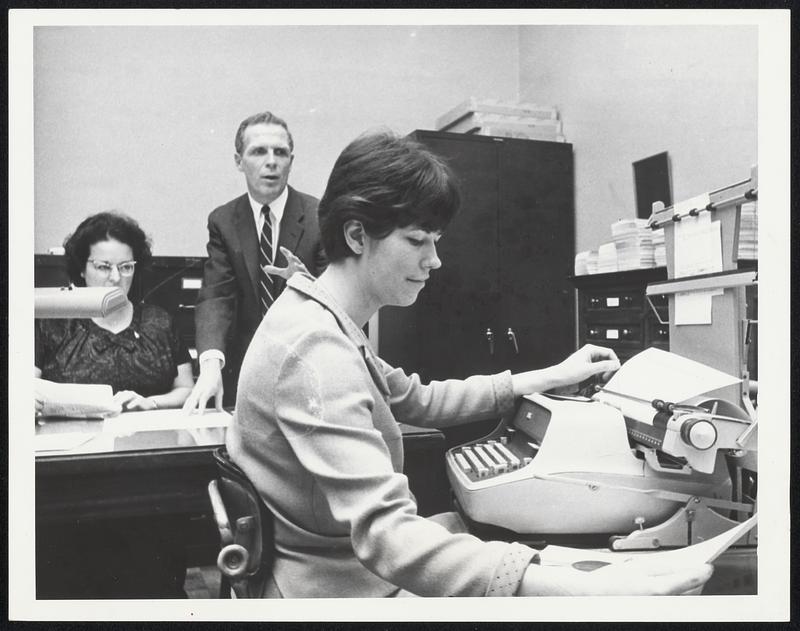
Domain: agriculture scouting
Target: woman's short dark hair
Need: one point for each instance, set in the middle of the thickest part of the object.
(385, 181)
(101, 227)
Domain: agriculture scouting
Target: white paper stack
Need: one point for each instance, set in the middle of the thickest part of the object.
(659, 247)
(662, 561)
(76, 400)
(634, 244)
(607, 258)
(591, 262)
(581, 259)
(490, 117)
(748, 231)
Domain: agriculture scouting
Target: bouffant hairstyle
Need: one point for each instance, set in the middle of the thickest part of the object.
(101, 227)
(385, 181)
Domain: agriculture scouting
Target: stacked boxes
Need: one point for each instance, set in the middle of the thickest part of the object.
(490, 117)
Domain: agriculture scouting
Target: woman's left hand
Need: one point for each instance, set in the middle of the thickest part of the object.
(293, 265)
(130, 400)
(587, 361)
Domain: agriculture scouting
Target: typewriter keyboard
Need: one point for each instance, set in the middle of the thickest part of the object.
(494, 456)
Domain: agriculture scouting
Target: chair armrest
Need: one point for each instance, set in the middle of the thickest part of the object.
(220, 514)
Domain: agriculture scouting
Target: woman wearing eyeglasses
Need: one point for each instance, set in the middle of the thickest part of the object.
(135, 349)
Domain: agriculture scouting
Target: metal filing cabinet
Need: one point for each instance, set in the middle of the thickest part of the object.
(501, 299)
(613, 311)
(173, 283)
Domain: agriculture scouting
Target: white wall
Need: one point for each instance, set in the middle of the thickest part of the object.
(628, 92)
(143, 118)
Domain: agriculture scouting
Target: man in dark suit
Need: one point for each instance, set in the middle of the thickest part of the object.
(235, 292)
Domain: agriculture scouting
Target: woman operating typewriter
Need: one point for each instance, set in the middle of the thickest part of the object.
(316, 421)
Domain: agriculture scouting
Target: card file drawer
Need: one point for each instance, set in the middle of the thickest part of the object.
(613, 301)
(614, 333)
(613, 312)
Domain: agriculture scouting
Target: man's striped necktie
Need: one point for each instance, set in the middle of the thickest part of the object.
(266, 286)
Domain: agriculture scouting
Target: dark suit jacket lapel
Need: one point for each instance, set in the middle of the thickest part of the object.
(246, 231)
(292, 228)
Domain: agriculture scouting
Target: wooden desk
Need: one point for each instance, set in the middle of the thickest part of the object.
(166, 472)
(157, 479)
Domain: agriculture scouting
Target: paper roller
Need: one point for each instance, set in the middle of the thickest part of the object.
(77, 302)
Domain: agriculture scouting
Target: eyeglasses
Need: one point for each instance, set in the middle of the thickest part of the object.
(126, 268)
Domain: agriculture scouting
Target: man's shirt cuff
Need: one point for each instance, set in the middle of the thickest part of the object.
(212, 353)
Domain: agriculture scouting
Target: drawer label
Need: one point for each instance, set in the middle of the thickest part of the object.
(612, 301)
(612, 334)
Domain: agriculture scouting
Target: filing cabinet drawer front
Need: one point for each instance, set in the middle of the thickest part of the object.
(657, 334)
(659, 302)
(623, 350)
(184, 318)
(613, 301)
(614, 311)
(187, 300)
(614, 333)
(623, 353)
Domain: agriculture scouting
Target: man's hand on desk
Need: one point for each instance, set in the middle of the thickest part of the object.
(130, 400)
(617, 579)
(209, 384)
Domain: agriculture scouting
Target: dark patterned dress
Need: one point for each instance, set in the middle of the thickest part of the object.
(136, 557)
(143, 357)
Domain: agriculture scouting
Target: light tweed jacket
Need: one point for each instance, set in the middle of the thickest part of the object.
(315, 429)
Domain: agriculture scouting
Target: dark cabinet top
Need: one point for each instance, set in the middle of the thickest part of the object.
(446, 135)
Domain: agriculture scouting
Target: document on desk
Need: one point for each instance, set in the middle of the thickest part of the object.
(697, 554)
(153, 420)
(656, 374)
(76, 400)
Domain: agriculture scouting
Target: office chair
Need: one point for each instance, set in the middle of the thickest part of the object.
(245, 527)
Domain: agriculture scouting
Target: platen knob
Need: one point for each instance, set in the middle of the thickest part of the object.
(699, 433)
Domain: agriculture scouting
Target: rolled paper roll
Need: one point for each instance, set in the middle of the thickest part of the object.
(77, 302)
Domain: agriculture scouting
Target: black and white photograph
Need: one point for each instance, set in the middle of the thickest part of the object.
(411, 307)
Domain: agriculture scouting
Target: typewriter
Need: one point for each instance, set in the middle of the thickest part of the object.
(647, 475)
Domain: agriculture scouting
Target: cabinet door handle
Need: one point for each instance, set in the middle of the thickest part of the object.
(490, 339)
(513, 339)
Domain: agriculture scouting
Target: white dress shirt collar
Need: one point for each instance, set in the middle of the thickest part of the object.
(276, 208)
